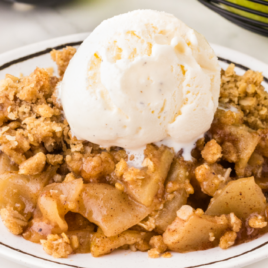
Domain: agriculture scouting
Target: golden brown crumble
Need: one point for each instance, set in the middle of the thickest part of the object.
(13, 220)
(54, 159)
(79, 198)
(154, 253)
(158, 246)
(257, 221)
(33, 165)
(246, 93)
(62, 58)
(100, 244)
(228, 239)
(235, 223)
(121, 168)
(212, 152)
(91, 168)
(211, 177)
(57, 246)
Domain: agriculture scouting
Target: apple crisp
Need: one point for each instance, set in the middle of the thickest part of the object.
(71, 196)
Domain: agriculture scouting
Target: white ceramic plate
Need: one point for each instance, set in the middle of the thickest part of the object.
(25, 60)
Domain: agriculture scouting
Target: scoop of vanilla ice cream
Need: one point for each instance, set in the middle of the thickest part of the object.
(140, 78)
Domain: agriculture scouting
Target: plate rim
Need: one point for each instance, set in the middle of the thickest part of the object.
(21, 54)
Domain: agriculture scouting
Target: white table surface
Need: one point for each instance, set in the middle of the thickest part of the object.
(22, 25)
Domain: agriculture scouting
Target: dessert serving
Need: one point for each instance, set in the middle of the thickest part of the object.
(139, 143)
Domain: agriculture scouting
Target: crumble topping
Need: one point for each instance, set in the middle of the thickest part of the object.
(228, 239)
(59, 246)
(13, 220)
(257, 221)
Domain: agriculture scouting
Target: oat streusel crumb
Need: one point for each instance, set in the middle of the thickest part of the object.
(57, 245)
(228, 239)
(34, 165)
(235, 223)
(247, 93)
(62, 58)
(13, 220)
(257, 221)
(212, 152)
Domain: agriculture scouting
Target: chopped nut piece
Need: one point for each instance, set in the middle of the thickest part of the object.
(212, 152)
(33, 165)
(257, 221)
(228, 239)
(13, 220)
(57, 246)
